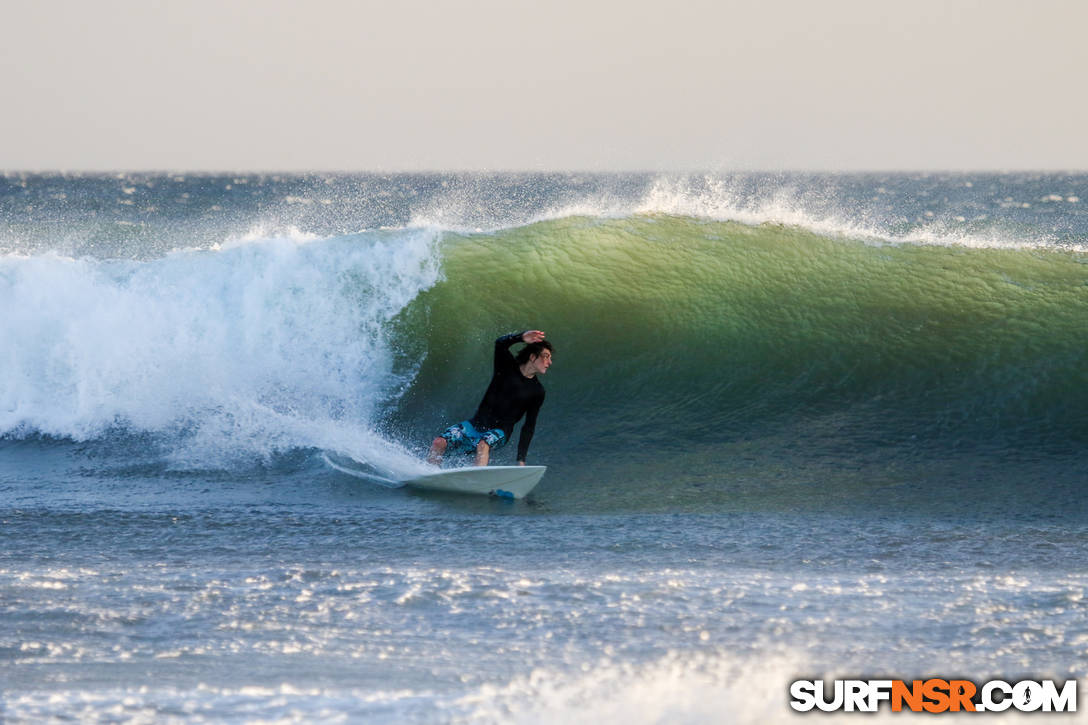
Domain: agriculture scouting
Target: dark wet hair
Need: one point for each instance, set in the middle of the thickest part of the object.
(531, 350)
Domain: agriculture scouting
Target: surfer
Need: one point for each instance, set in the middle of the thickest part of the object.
(514, 392)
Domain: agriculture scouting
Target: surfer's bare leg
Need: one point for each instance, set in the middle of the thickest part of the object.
(438, 449)
(483, 454)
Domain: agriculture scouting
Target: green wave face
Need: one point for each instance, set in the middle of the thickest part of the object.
(695, 345)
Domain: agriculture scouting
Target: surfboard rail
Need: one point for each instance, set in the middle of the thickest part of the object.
(512, 482)
(503, 481)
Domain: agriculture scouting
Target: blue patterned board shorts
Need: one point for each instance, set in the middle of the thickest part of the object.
(463, 438)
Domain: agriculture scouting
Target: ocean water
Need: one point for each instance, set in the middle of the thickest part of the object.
(798, 426)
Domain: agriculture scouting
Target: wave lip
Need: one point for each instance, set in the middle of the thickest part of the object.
(827, 207)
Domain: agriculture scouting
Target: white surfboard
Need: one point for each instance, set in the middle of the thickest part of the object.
(502, 481)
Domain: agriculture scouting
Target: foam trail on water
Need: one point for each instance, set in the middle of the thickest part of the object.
(677, 688)
(247, 350)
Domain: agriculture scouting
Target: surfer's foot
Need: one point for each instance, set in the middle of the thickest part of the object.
(438, 449)
(483, 454)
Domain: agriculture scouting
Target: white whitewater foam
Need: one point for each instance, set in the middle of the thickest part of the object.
(253, 348)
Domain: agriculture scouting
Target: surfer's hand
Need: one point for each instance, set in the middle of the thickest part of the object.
(531, 336)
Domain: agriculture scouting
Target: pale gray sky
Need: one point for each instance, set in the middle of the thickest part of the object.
(553, 84)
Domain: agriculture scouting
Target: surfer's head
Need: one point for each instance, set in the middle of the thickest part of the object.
(535, 358)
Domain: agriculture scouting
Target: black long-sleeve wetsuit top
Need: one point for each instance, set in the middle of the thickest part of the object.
(509, 396)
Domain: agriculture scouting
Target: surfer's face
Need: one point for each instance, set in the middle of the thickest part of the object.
(539, 364)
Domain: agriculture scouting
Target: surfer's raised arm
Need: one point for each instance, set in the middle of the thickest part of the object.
(514, 392)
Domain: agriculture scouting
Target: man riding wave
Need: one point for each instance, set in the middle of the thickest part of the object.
(514, 391)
